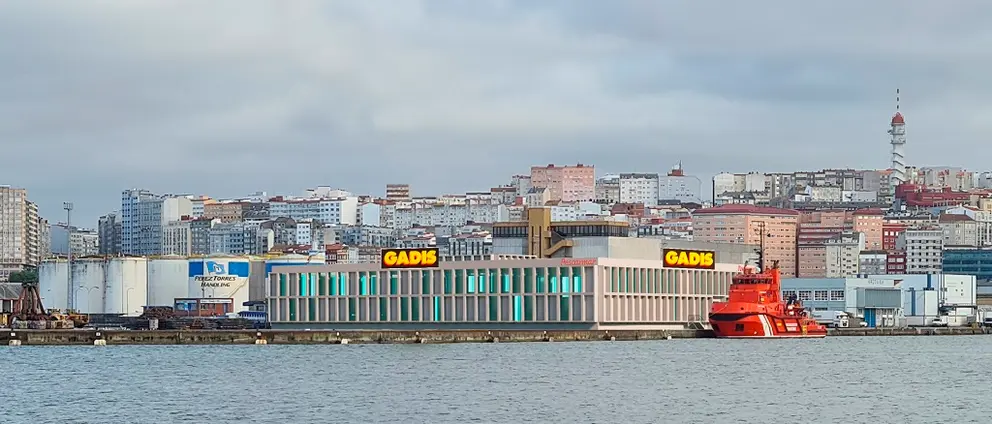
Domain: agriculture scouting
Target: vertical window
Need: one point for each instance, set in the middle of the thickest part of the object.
(539, 280)
(322, 283)
(553, 280)
(437, 308)
(333, 282)
(505, 276)
(352, 310)
(516, 272)
(529, 308)
(470, 281)
(394, 282)
(566, 279)
(563, 309)
(447, 281)
(363, 284)
(282, 285)
(312, 309)
(404, 309)
(494, 308)
(383, 308)
(518, 305)
(343, 284)
(493, 280)
(415, 309)
(292, 310)
(459, 281)
(425, 281)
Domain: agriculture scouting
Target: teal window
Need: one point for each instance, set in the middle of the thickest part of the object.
(415, 308)
(405, 309)
(425, 281)
(304, 285)
(493, 308)
(539, 279)
(282, 285)
(322, 282)
(518, 306)
(493, 283)
(566, 280)
(528, 280)
(470, 280)
(363, 284)
(563, 308)
(312, 309)
(529, 308)
(374, 283)
(482, 281)
(516, 272)
(394, 282)
(614, 280)
(333, 282)
(292, 310)
(459, 281)
(577, 280)
(447, 282)
(343, 284)
(352, 310)
(553, 280)
(437, 308)
(383, 309)
(506, 280)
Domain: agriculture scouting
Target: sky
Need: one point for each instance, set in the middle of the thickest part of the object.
(229, 97)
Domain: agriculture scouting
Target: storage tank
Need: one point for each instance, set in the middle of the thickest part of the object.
(168, 279)
(88, 285)
(53, 283)
(126, 286)
(220, 277)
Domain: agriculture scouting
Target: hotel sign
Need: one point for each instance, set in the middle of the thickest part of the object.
(689, 259)
(410, 258)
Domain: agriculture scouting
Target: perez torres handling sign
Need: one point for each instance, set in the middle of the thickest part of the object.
(690, 259)
(410, 258)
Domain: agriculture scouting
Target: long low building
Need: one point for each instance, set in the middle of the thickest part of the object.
(555, 293)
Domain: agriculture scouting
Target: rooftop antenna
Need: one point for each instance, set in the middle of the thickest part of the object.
(761, 246)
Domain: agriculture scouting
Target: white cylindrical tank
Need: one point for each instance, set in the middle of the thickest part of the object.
(168, 279)
(223, 277)
(88, 285)
(127, 286)
(53, 283)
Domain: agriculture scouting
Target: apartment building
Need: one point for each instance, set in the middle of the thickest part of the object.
(924, 248)
(20, 245)
(143, 217)
(566, 183)
(742, 224)
(109, 231)
(639, 188)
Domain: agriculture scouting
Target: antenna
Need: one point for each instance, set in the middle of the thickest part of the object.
(897, 100)
(761, 246)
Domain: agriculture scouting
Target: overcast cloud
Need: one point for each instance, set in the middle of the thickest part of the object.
(228, 97)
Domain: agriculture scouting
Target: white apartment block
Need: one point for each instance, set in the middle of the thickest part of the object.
(177, 238)
(20, 245)
(608, 189)
(639, 188)
(144, 215)
(84, 242)
(335, 211)
(684, 188)
(924, 248)
(232, 238)
(448, 215)
(843, 255)
(955, 232)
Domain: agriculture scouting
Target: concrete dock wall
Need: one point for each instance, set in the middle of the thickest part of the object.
(232, 337)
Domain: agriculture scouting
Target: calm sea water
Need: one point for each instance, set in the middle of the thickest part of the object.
(834, 380)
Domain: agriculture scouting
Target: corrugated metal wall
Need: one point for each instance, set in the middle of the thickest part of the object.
(879, 298)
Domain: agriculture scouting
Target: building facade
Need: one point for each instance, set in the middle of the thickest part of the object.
(109, 229)
(876, 301)
(566, 183)
(20, 245)
(743, 224)
(639, 188)
(924, 248)
(598, 293)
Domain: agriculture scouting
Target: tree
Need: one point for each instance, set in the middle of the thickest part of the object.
(26, 276)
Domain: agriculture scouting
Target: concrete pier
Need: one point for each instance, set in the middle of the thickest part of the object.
(250, 337)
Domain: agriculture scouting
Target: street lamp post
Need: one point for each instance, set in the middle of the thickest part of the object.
(71, 302)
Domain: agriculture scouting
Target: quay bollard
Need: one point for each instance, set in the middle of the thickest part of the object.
(668, 337)
(613, 338)
(344, 341)
(13, 343)
(99, 340)
(259, 340)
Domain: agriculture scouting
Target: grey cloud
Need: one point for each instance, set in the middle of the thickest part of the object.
(449, 95)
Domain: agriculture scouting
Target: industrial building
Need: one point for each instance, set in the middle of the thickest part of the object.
(891, 300)
(503, 293)
(125, 285)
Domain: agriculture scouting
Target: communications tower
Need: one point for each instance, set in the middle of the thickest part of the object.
(898, 141)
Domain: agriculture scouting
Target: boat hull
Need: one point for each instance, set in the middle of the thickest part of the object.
(764, 326)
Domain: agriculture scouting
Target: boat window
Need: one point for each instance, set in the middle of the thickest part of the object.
(739, 327)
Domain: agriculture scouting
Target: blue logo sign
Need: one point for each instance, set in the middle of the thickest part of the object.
(214, 268)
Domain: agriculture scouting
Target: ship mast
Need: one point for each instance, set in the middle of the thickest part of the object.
(761, 246)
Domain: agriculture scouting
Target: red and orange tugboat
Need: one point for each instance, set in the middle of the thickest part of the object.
(755, 309)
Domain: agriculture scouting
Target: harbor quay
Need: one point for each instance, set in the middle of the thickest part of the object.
(300, 337)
